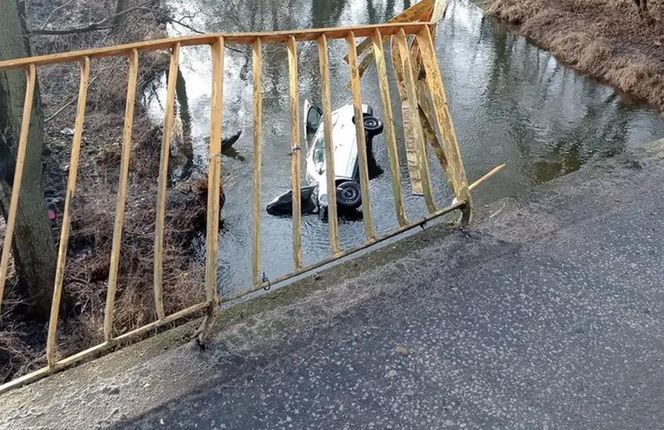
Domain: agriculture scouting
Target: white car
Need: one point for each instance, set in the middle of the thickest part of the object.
(346, 166)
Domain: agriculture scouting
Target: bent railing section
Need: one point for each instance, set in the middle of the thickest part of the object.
(417, 59)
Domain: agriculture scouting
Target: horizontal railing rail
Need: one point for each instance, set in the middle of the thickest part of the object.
(414, 56)
(209, 39)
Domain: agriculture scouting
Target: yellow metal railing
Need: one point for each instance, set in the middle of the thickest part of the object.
(414, 58)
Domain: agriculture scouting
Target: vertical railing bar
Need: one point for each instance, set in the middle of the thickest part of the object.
(295, 151)
(384, 86)
(412, 158)
(214, 172)
(31, 78)
(257, 58)
(436, 86)
(51, 340)
(360, 135)
(333, 221)
(411, 97)
(163, 182)
(122, 193)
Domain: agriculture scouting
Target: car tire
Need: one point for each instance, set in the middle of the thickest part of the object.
(372, 125)
(349, 195)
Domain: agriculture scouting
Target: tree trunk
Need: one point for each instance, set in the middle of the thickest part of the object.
(33, 245)
(120, 20)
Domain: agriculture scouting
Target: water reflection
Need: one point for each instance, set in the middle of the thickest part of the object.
(512, 103)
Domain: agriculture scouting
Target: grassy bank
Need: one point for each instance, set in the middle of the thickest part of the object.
(606, 39)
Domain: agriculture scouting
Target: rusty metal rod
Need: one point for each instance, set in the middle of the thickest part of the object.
(390, 134)
(122, 194)
(413, 110)
(208, 39)
(61, 264)
(296, 159)
(169, 117)
(214, 171)
(360, 137)
(332, 217)
(257, 57)
(436, 86)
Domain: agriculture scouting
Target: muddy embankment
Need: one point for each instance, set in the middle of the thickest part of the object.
(606, 39)
(22, 339)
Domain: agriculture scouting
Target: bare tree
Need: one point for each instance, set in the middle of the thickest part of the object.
(33, 244)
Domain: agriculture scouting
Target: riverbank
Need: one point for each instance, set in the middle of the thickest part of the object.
(606, 39)
(546, 312)
(22, 339)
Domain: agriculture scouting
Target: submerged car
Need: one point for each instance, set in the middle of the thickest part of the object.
(346, 165)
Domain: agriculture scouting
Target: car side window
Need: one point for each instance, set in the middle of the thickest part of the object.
(314, 116)
(319, 147)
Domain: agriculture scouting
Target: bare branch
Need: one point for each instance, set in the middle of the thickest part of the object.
(68, 102)
(188, 27)
(180, 22)
(104, 24)
(53, 12)
(107, 24)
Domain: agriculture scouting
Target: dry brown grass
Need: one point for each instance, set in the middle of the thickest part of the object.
(606, 39)
(93, 211)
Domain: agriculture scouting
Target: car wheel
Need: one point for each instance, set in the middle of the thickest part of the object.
(349, 195)
(372, 125)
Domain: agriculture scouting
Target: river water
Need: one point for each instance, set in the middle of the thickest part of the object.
(511, 102)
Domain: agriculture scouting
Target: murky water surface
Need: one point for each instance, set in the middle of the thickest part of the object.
(511, 102)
